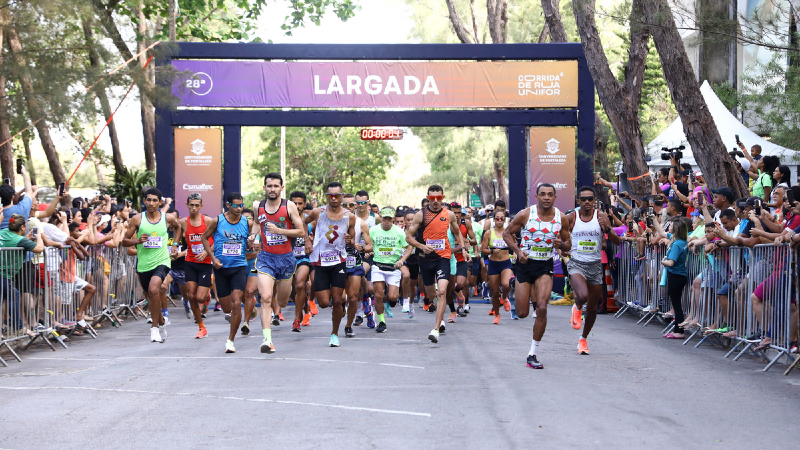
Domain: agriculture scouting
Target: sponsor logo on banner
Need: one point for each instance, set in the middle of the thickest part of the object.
(198, 187)
(552, 147)
(540, 85)
(198, 168)
(552, 161)
(198, 148)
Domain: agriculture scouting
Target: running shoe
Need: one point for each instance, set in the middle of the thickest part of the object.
(381, 327)
(280, 316)
(452, 318)
(203, 316)
(359, 321)
(370, 321)
(245, 329)
(425, 306)
(201, 334)
(334, 341)
(466, 308)
(442, 328)
(405, 306)
(155, 336)
(228, 318)
(189, 315)
(166, 319)
(506, 304)
(583, 347)
(312, 308)
(254, 314)
(434, 336)
(460, 312)
(229, 348)
(514, 315)
(267, 347)
(367, 307)
(348, 332)
(562, 302)
(534, 363)
(306, 320)
(163, 330)
(575, 319)
(491, 312)
(389, 311)
(411, 311)
(276, 321)
(296, 326)
(149, 318)
(432, 308)
(496, 320)
(218, 307)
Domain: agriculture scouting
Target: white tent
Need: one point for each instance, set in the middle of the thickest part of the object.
(728, 126)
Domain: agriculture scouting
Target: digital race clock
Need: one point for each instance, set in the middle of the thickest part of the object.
(382, 134)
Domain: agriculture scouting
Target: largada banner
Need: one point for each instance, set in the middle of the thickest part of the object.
(552, 160)
(198, 168)
(470, 84)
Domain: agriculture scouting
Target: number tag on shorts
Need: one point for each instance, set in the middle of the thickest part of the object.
(587, 246)
(329, 257)
(299, 251)
(275, 239)
(385, 251)
(232, 249)
(153, 242)
(499, 243)
(436, 244)
(350, 262)
(540, 253)
(197, 249)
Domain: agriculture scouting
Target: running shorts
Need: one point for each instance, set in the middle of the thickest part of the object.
(159, 272)
(327, 277)
(199, 274)
(251, 268)
(532, 270)
(390, 277)
(475, 268)
(433, 271)
(497, 267)
(356, 271)
(461, 268)
(592, 272)
(413, 270)
(304, 261)
(277, 267)
(230, 279)
(453, 266)
(179, 276)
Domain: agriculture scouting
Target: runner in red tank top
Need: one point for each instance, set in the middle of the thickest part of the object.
(458, 280)
(198, 264)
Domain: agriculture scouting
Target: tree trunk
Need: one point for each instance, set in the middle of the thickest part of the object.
(487, 190)
(462, 32)
(497, 19)
(6, 151)
(620, 100)
(500, 175)
(698, 125)
(34, 109)
(148, 112)
(26, 142)
(105, 105)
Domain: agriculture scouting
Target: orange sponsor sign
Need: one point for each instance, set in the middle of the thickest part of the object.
(552, 161)
(198, 168)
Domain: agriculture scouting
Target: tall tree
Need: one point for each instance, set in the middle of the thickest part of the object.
(6, 151)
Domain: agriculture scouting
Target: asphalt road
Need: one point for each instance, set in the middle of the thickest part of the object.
(394, 390)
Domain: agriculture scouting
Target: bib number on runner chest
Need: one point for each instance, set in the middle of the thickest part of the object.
(350, 262)
(232, 249)
(436, 244)
(153, 242)
(385, 251)
(197, 249)
(299, 251)
(540, 253)
(499, 243)
(329, 257)
(587, 246)
(275, 239)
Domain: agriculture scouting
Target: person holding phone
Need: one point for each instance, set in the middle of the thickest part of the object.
(23, 208)
(675, 263)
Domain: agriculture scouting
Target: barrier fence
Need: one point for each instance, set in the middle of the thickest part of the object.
(740, 298)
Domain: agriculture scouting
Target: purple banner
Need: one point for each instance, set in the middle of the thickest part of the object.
(472, 84)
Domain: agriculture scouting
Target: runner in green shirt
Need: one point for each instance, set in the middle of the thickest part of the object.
(391, 251)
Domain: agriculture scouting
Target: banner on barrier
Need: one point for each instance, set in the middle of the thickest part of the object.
(552, 160)
(198, 168)
(470, 84)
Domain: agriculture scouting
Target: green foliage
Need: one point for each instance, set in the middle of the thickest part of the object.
(318, 156)
(130, 186)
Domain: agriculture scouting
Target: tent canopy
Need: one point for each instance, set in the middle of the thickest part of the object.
(728, 126)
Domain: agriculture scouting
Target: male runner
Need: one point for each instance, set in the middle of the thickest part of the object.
(542, 231)
(410, 272)
(391, 252)
(197, 268)
(153, 263)
(280, 225)
(428, 233)
(585, 267)
(365, 213)
(475, 267)
(250, 289)
(462, 263)
(231, 232)
(335, 227)
(302, 247)
(355, 267)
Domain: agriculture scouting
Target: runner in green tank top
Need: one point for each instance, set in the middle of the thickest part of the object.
(153, 264)
(391, 251)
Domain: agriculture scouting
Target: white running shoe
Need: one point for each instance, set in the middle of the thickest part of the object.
(162, 329)
(405, 305)
(229, 348)
(166, 320)
(155, 336)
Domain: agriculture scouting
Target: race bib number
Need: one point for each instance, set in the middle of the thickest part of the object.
(329, 257)
(587, 246)
(499, 243)
(153, 242)
(540, 253)
(436, 244)
(232, 249)
(385, 251)
(350, 262)
(299, 251)
(197, 249)
(275, 239)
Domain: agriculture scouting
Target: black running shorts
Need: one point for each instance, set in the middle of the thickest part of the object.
(229, 279)
(433, 271)
(198, 273)
(532, 270)
(327, 277)
(145, 277)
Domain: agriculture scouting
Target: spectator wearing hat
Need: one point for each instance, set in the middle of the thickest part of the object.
(23, 208)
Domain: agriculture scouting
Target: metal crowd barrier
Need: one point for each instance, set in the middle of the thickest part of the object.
(40, 294)
(737, 297)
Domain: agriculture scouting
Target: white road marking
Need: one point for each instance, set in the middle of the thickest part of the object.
(403, 366)
(257, 400)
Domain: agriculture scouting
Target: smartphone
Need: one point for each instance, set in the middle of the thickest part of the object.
(630, 227)
(61, 189)
(19, 166)
(758, 208)
(700, 199)
(737, 138)
(789, 197)
(598, 205)
(691, 175)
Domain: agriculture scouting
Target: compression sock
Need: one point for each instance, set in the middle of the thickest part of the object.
(534, 347)
(267, 333)
(380, 318)
(165, 312)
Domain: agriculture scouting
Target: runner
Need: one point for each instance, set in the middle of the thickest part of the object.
(302, 247)
(475, 267)
(250, 289)
(354, 264)
(153, 263)
(428, 233)
(541, 230)
(230, 232)
(585, 267)
(177, 274)
(462, 263)
(280, 225)
(391, 252)
(335, 227)
(410, 272)
(365, 213)
(499, 269)
(197, 267)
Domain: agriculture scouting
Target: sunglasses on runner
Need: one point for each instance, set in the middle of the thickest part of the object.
(586, 199)
(233, 205)
(498, 219)
(334, 195)
(364, 202)
(436, 198)
(349, 204)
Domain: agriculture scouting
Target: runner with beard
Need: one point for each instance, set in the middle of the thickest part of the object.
(302, 247)
(355, 268)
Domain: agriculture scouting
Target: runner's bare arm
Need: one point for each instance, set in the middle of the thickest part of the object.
(133, 227)
(456, 232)
(605, 225)
(510, 232)
(485, 244)
(211, 227)
(312, 216)
(566, 236)
(299, 230)
(351, 226)
(411, 230)
(470, 233)
(367, 240)
(172, 220)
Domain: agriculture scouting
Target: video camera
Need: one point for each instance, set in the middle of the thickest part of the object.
(735, 153)
(669, 153)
